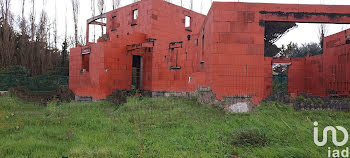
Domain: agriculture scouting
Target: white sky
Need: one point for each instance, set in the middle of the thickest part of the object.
(303, 34)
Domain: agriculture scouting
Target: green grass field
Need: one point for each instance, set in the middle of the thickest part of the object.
(158, 127)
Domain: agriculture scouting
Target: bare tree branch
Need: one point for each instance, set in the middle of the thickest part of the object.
(65, 23)
(101, 8)
(93, 11)
(75, 7)
(42, 30)
(55, 26)
(323, 31)
(116, 4)
(32, 21)
(23, 20)
(191, 4)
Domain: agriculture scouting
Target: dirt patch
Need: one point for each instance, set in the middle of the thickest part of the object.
(119, 97)
(26, 95)
(205, 95)
(63, 94)
(249, 137)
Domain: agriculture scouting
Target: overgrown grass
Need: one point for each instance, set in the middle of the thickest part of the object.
(158, 127)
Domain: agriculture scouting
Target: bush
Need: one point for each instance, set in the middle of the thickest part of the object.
(300, 99)
(309, 100)
(119, 97)
(319, 101)
(64, 94)
(280, 84)
(249, 137)
(13, 76)
(18, 76)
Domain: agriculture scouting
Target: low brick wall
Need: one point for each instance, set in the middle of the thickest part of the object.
(204, 95)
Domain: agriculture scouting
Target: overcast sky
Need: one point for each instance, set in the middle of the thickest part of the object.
(303, 34)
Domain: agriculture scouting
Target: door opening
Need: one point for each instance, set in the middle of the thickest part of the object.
(136, 71)
(280, 78)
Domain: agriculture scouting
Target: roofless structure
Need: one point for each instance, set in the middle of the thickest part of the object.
(163, 48)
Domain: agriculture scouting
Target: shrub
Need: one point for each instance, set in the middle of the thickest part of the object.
(119, 97)
(300, 99)
(280, 84)
(249, 137)
(309, 100)
(347, 99)
(319, 101)
(64, 94)
(13, 76)
(18, 76)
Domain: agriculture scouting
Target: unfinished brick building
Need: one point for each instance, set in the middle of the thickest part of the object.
(158, 46)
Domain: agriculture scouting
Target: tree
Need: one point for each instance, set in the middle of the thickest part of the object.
(42, 30)
(310, 48)
(23, 20)
(55, 27)
(7, 42)
(191, 4)
(273, 32)
(32, 21)
(75, 7)
(293, 50)
(5, 10)
(82, 37)
(29, 49)
(322, 30)
(22, 44)
(93, 11)
(65, 24)
(115, 4)
(290, 50)
(101, 8)
(64, 59)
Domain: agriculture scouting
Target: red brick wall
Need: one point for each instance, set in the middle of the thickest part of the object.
(336, 63)
(321, 74)
(167, 27)
(110, 63)
(239, 67)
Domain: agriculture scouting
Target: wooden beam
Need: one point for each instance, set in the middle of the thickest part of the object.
(98, 23)
(93, 19)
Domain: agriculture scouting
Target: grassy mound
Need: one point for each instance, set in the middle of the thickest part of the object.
(158, 127)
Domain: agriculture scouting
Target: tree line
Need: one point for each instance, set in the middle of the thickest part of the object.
(275, 30)
(33, 43)
(30, 46)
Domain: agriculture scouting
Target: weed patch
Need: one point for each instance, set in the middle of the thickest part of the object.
(249, 137)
